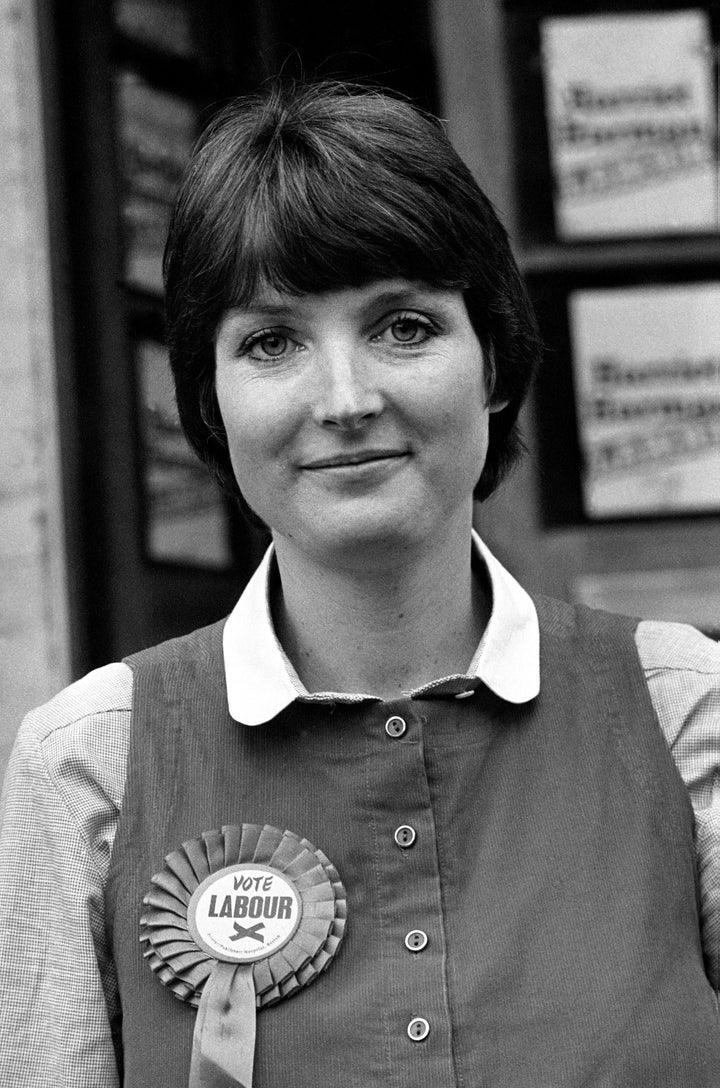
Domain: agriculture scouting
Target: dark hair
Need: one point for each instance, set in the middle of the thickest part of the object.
(314, 187)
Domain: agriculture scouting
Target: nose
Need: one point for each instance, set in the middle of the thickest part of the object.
(348, 396)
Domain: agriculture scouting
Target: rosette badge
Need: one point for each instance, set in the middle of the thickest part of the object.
(236, 920)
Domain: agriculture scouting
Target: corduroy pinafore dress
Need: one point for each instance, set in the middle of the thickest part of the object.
(552, 872)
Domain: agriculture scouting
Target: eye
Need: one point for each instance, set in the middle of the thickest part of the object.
(268, 344)
(410, 329)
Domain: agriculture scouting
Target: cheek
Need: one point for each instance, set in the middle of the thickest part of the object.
(251, 452)
(242, 434)
(469, 431)
(464, 408)
(260, 427)
(247, 414)
(472, 435)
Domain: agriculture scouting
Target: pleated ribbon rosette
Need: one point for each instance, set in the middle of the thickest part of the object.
(236, 920)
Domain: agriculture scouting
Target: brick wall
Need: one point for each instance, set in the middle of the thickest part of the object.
(33, 618)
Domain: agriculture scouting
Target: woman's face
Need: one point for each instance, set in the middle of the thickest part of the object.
(356, 418)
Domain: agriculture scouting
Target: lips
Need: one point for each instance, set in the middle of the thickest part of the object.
(358, 457)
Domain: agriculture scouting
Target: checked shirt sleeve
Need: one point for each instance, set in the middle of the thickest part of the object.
(60, 806)
(682, 668)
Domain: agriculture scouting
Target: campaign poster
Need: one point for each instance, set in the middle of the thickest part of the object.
(160, 24)
(186, 518)
(157, 132)
(646, 368)
(632, 123)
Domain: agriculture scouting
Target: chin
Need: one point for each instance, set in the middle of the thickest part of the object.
(364, 541)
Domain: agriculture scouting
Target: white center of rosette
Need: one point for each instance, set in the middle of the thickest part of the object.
(244, 913)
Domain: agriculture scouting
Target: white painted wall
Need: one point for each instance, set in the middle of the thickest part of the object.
(34, 642)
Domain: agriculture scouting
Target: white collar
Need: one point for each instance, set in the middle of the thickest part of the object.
(261, 681)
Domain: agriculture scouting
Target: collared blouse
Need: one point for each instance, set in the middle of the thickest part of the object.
(65, 788)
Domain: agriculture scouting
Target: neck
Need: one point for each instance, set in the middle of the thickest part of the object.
(381, 630)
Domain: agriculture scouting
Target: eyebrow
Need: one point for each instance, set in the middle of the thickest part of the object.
(256, 311)
(259, 307)
(383, 298)
(396, 296)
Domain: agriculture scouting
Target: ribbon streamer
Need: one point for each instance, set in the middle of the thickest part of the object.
(224, 1041)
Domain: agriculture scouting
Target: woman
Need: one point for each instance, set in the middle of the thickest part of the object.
(387, 731)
